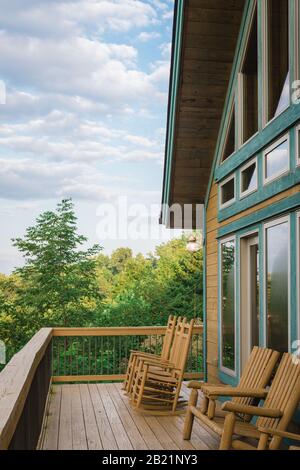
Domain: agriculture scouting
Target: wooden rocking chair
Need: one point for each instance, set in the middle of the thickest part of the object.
(277, 411)
(165, 353)
(283, 434)
(256, 376)
(157, 386)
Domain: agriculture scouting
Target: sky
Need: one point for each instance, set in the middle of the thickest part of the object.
(84, 117)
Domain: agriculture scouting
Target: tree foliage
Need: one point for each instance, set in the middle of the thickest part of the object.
(61, 284)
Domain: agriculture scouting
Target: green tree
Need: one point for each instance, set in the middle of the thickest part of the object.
(59, 279)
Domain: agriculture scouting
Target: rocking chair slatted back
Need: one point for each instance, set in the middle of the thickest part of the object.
(181, 343)
(284, 394)
(167, 343)
(257, 372)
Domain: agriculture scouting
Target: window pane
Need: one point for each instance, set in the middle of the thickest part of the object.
(278, 27)
(250, 85)
(230, 142)
(249, 178)
(228, 305)
(227, 191)
(277, 286)
(277, 160)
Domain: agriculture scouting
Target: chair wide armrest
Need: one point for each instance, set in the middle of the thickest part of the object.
(214, 392)
(277, 432)
(251, 410)
(161, 364)
(196, 385)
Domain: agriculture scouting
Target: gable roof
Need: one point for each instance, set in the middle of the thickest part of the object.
(205, 35)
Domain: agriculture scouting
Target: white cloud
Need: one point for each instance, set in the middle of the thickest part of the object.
(103, 73)
(74, 17)
(166, 50)
(145, 36)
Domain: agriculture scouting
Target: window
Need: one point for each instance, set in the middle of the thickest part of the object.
(298, 272)
(278, 57)
(276, 159)
(228, 304)
(249, 85)
(248, 178)
(297, 39)
(229, 146)
(298, 145)
(227, 192)
(277, 284)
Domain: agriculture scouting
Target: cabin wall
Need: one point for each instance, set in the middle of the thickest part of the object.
(212, 281)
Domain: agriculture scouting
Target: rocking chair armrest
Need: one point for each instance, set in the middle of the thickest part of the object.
(161, 364)
(196, 385)
(251, 410)
(277, 432)
(144, 353)
(215, 392)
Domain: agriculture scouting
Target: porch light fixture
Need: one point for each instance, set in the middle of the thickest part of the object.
(193, 244)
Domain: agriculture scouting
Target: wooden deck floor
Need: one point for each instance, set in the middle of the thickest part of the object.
(99, 416)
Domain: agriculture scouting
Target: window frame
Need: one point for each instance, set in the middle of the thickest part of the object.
(240, 84)
(265, 65)
(297, 144)
(232, 114)
(231, 201)
(273, 146)
(266, 226)
(246, 193)
(298, 273)
(222, 368)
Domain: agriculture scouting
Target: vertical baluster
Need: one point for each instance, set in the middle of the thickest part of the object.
(101, 355)
(58, 356)
(89, 349)
(71, 353)
(120, 354)
(83, 355)
(95, 355)
(65, 355)
(77, 353)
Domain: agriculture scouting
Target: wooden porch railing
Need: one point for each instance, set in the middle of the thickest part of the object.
(101, 354)
(70, 355)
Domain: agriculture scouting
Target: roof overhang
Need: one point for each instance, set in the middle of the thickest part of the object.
(203, 47)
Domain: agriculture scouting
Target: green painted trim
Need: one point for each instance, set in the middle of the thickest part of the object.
(229, 95)
(235, 374)
(262, 194)
(277, 208)
(228, 379)
(260, 48)
(262, 319)
(173, 103)
(272, 131)
(204, 341)
(293, 279)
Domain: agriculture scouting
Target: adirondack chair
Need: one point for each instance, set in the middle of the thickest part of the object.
(165, 353)
(256, 376)
(277, 411)
(284, 434)
(157, 386)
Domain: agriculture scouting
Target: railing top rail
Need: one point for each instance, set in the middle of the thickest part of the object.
(117, 331)
(15, 382)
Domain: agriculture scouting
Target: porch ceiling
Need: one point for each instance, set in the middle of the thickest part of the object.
(209, 36)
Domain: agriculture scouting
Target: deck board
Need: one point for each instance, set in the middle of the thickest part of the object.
(99, 416)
